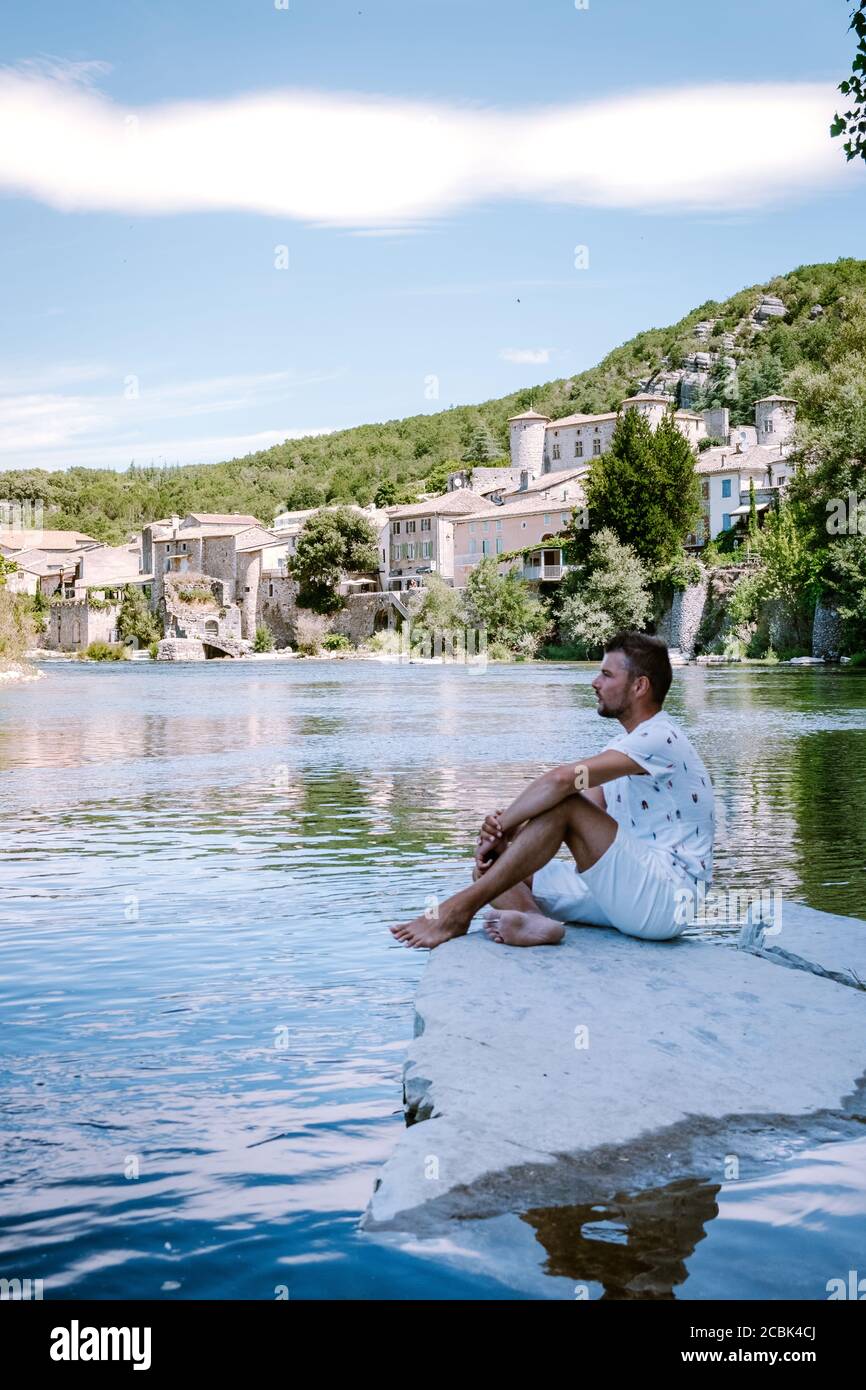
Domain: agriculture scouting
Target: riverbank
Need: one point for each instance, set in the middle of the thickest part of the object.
(19, 671)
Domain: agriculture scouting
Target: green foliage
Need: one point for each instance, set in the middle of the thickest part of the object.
(845, 582)
(612, 594)
(481, 447)
(336, 642)
(680, 572)
(792, 568)
(153, 649)
(644, 488)
(436, 609)
(350, 465)
(853, 121)
(106, 651)
(264, 639)
(135, 620)
(330, 545)
(16, 625)
(505, 606)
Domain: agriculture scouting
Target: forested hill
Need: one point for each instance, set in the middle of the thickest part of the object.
(395, 460)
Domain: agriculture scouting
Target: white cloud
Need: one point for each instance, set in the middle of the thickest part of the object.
(44, 426)
(525, 355)
(367, 162)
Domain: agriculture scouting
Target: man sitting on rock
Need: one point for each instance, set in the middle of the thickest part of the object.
(637, 819)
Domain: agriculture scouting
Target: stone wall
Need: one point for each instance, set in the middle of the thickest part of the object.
(277, 606)
(826, 633)
(179, 649)
(73, 624)
(680, 622)
(363, 615)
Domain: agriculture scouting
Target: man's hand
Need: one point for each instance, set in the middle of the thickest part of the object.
(490, 843)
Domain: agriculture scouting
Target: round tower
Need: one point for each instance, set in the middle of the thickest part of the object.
(774, 419)
(526, 440)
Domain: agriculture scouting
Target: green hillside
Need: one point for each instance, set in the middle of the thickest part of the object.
(399, 455)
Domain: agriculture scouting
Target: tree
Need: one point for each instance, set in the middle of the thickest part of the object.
(644, 488)
(481, 447)
(613, 593)
(135, 619)
(331, 544)
(264, 639)
(792, 567)
(853, 121)
(504, 605)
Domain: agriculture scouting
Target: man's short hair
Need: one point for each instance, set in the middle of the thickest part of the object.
(646, 656)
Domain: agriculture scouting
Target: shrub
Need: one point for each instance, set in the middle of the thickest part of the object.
(336, 642)
(154, 650)
(264, 639)
(106, 651)
(614, 595)
(497, 651)
(310, 629)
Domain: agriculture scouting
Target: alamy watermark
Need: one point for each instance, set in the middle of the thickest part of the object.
(846, 516)
(21, 516)
(731, 907)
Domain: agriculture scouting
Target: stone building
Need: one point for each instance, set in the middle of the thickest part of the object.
(421, 539)
(226, 548)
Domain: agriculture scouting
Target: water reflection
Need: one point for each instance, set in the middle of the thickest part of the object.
(200, 862)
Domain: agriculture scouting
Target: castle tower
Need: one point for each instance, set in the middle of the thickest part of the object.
(775, 417)
(526, 440)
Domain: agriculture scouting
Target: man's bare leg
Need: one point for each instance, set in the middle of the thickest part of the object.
(518, 919)
(576, 821)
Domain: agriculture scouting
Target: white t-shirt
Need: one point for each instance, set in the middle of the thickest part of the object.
(673, 807)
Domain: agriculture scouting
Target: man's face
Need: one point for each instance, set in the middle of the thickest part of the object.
(613, 685)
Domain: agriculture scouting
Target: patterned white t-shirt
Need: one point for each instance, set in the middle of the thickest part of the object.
(673, 807)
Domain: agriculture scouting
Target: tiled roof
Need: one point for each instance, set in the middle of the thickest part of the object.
(755, 458)
(223, 519)
(457, 503)
(548, 480)
(39, 539)
(529, 508)
(581, 419)
(528, 415)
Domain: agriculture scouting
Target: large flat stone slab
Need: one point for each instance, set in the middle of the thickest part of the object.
(606, 1063)
(820, 942)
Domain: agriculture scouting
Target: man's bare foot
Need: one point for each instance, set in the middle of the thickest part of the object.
(428, 932)
(510, 928)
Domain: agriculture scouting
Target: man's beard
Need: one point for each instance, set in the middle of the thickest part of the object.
(608, 712)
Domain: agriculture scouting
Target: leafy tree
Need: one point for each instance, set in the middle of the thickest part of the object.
(792, 568)
(264, 639)
(845, 586)
(481, 446)
(135, 618)
(754, 534)
(505, 606)
(331, 544)
(613, 593)
(853, 121)
(644, 488)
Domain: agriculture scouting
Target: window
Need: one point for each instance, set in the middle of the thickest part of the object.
(726, 487)
(596, 447)
(578, 448)
(498, 545)
(472, 526)
(410, 552)
(473, 545)
(768, 427)
(485, 525)
(270, 591)
(547, 518)
(425, 523)
(523, 525)
(410, 526)
(546, 465)
(726, 521)
(564, 518)
(396, 528)
(499, 523)
(485, 547)
(183, 546)
(705, 490)
(426, 550)
(556, 451)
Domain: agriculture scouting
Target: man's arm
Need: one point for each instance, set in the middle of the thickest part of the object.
(554, 786)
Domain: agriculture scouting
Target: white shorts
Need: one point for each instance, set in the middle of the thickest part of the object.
(628, 888)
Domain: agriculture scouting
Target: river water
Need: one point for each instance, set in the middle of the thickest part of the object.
(204, 1015)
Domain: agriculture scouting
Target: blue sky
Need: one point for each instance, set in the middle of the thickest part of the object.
(429, 169)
